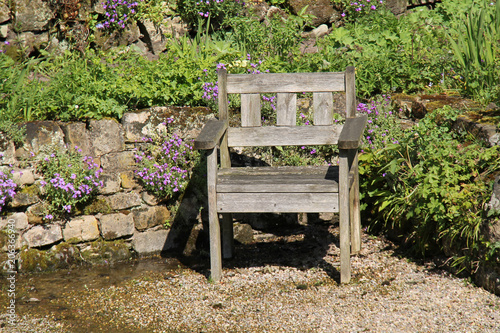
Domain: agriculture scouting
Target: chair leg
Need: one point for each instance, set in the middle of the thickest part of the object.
(215, 235)
(227, 236)
(355, 212)
(344, 217)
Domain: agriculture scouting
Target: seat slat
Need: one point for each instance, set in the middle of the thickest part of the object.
(277, 202)
(285, 83)
(280, 179)
(283, 136)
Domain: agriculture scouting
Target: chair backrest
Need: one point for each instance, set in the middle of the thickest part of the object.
(285, 86)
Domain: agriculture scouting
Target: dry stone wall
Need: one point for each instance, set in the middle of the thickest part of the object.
(122, 212)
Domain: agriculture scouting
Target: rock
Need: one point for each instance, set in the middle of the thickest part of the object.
(77, 135)
(116, 225)
(101, 252)
(124, 37)
(7, 152)
(81, 229)
(322, 10)
(151, 242)
(44, 133)
(123, 200)
(41, 236)
(30, 42)
(23, 177)
(153, 36)
(118, 161)
(106, 137)
(4, 11)
(243, 233)
(194, 239)
(26, 197)
(397, 7)
(20, 221)
(32, 15)
(111, 183)
(149, 198)
(127, 180)
(320, 31)
(4, 30)
(133, 123)
(148, 217)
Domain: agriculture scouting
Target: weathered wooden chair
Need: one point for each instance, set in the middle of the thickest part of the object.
(283, 189)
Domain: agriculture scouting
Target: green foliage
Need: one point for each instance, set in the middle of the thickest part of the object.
(390, 54)
(276, 36)
(70, 181)
(192, 11)
(431, 187)
(477, 50)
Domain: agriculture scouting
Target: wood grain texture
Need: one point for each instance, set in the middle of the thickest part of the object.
(352, 132)
(323, 108)
(350, 89)
(214, 226)
(284, 83)
(286, 109)
(210, 134)
(283, 136)
(250, 110)
(344, 217)
(319, 179)
(277, 202)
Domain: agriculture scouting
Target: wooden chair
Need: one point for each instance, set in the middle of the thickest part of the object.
(283, 189)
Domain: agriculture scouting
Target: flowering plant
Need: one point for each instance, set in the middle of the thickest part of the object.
(7, 189)
(118, 13)
(70, 180)
(163, 167)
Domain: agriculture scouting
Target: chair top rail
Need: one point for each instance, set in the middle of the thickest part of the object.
(285, 83)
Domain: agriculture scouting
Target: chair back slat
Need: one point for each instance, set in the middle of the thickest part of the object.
(250, 110)
(323, 108)
(285, 83)
(283, 136)
(286, 109)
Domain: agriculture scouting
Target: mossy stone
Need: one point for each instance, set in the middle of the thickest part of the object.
(102, 252)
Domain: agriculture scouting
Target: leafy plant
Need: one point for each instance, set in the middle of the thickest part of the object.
(216, 10)
(118, 14)
(163, 169)
(431, 187)
(477, 49)
(70, 181)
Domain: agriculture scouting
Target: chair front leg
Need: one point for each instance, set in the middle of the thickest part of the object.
(215, 235)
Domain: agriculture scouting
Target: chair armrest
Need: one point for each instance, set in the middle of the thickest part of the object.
(211, 134)
(352, 132)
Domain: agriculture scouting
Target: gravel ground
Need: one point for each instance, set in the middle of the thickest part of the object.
(282, 283)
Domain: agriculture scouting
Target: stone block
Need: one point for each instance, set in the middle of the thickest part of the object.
(111, 183)
(23, 177)
(151, 242)
(116, 225)
(32, 15)
(20, 221)
(43, 133)
(123, 200)
(128, 180)
(81, 229)
(26, 197)
(43, 235)
(77, 135)
(148, 217)
(7, 152)
(118, 161)
(133, 124)
(322, 10)
(4, 11)
(106, 136)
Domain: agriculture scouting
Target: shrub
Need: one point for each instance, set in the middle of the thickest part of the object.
(430, 188)
(7, 188)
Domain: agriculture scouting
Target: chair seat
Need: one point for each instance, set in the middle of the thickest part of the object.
(278, 189)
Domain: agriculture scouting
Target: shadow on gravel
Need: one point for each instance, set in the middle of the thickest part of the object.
(302, 246)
